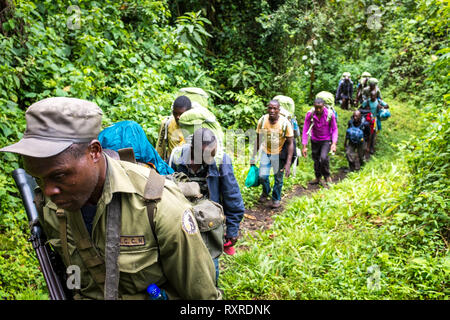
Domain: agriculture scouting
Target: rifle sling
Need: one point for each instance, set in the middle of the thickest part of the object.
(112, 247)
(90, 256)
(63, 234)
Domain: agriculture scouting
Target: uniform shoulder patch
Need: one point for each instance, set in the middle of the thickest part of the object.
(188, 223)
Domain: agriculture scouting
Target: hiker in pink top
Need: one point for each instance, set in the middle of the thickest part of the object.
(320, 124)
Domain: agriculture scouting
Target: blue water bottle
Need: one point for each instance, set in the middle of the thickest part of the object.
(156, 293)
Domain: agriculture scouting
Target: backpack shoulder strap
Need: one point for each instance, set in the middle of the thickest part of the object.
(166, 126)
(284, 126)
(152, 194)
(311, 111)
(127, 154)
(329, 113)
(261, 121)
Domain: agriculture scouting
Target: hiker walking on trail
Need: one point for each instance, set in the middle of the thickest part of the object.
(355, 143)
(363, 82)
(170, 134)
(344, 92)
(375, 104)
(372, 84)
(216, 179)
(275, 136)
(125, 226)
(320, 124)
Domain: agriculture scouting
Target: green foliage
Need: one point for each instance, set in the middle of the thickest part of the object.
(428, 196)
(191, 29)
(243, 112)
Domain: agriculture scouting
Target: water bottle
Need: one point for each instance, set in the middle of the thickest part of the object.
(156, 293)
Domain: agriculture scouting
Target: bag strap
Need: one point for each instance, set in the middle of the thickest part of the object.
(166, 127)
(261, 121)
(112, 247)
(90, 256)
(127, 154)
(311, 111)
(152, 195)
(62, 219)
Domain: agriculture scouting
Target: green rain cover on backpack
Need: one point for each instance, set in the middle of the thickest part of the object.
(195, 94)
(287, 109)
(200, 117)
(287, 103)
(328, 97)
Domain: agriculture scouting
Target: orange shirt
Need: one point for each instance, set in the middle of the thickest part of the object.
(274, 135)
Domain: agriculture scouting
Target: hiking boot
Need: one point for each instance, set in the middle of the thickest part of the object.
(263, 198)
(315, 181)
(275, 204)
(328, 180)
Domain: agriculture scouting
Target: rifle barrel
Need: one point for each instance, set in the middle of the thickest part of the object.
(25, 183)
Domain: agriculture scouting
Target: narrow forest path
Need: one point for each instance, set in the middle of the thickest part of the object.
(259, 217)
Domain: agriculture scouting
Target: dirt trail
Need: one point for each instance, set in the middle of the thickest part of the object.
(259, 217)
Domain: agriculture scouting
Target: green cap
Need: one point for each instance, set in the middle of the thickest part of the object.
(366, 74)
(54, 124)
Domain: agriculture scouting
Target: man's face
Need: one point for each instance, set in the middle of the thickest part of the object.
(357, 116)
(207, 154)
(273, 110)
(67, 181)
(177, 112)
(318, 108)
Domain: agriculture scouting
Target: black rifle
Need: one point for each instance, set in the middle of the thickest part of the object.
(47, 258)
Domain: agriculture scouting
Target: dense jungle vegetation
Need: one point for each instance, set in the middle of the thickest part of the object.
(381, 233)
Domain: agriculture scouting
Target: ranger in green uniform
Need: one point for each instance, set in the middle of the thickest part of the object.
(122, 224)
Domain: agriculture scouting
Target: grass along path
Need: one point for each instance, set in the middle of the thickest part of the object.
(345, 242)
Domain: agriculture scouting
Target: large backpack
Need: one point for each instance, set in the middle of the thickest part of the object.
(129, 134)
(195, 95)
(200, 117)
(355, 134)
(287, 109)
(208, 214)
(328, 97)
(369, 118)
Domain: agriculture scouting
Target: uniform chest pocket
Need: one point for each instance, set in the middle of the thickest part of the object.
(141, 267)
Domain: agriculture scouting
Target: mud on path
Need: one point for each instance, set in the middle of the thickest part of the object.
(259, 217)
